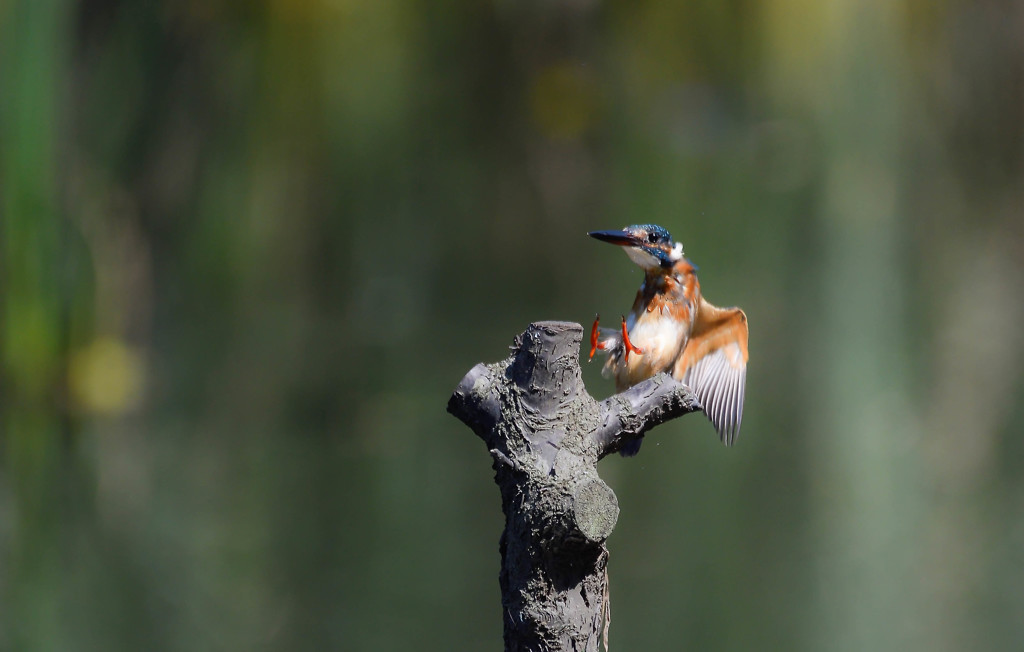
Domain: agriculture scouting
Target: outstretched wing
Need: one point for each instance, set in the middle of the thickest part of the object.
(714, 365)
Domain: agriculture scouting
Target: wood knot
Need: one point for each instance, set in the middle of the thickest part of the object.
(595, 510)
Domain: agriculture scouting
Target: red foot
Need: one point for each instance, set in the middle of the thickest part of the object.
(626, 344)
(594, 346)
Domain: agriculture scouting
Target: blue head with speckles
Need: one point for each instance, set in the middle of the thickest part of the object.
(648, 245)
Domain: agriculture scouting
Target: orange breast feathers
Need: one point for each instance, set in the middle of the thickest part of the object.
(714, 364)
(659, 325)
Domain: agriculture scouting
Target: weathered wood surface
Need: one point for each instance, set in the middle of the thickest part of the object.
(546, 435)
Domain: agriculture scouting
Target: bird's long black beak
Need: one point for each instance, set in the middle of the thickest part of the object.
(621, 238)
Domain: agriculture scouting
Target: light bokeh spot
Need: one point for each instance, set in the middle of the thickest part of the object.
(106, 377)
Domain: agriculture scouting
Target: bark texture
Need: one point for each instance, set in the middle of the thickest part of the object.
(546, 435)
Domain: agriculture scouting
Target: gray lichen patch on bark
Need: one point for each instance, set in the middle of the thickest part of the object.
(546, 435)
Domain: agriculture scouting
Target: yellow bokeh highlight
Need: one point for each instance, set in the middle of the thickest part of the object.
(106, 377)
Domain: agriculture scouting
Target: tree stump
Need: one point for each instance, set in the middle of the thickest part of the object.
(546, 435)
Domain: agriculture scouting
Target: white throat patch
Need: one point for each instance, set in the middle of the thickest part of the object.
(642, 258)
(677, 252)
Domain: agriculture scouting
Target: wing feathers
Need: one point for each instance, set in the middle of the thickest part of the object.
(714, 365)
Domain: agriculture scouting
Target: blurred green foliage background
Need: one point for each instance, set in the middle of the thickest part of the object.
(248, 249)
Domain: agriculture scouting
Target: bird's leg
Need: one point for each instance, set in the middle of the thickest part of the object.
(626, 344)
(594, 344)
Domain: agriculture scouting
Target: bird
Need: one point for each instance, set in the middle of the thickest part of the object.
(672, 328)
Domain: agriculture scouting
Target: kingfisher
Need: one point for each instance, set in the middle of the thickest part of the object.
(673, 329)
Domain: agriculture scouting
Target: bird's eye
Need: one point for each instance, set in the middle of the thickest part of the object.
(652, 237)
